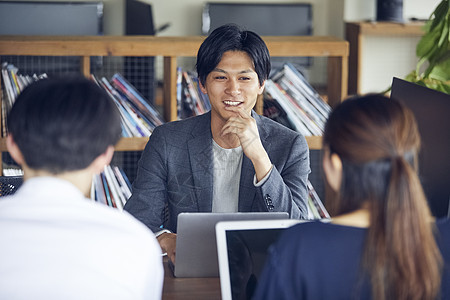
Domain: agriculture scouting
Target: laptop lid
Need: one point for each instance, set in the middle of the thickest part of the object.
(432, 111)
(196, 249)
(242, 249)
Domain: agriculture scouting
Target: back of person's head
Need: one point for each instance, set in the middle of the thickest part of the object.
(377, 140)
(63, 124)
(231, 37)
(371, 134)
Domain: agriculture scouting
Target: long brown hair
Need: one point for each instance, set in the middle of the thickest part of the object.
(377, 140)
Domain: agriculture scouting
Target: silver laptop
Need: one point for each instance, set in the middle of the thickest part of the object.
(196, 250)
(242, 249)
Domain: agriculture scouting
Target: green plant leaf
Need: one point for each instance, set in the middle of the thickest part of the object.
(444, 34)
(440, 56)
(434, 48)
(441, 71)
(419, 65)
(439, 86)
(446, 88)
(412, 77)
(427, 43)
(439, 13)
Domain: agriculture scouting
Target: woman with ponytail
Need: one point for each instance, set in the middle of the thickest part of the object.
(381, 243)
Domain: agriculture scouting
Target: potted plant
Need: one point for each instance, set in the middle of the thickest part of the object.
(433, 50)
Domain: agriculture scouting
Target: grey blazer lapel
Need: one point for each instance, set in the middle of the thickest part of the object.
(200, 156)
(247, 189)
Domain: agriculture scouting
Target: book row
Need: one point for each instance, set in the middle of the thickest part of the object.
(13, 83)
(292, 101)
(288, 99)
(191, 101)
(316, 209)
(139, 117)
(111, 187)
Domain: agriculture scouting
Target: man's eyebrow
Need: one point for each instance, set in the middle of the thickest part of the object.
(218, 70)
(240, 72)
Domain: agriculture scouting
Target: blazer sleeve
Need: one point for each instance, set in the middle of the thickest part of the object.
(149, 195)
(286, 187)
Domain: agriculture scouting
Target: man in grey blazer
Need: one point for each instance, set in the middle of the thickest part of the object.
(229, 159)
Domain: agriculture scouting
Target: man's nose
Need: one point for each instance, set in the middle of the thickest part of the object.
(233, 88)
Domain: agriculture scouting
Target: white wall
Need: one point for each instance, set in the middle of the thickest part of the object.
(386, 57)
(358, 10)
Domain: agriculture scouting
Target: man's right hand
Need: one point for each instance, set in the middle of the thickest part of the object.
(167, 242)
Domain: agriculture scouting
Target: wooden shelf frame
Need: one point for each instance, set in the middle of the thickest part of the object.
(170, 48)
(355, 33)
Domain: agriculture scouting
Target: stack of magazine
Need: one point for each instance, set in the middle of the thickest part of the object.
(139, 117)
(111, 187)
(191, 101)
(292, 101)
(13, 84)
(316, 209)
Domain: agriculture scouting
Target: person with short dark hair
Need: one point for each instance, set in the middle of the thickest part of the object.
(381, 242)
(56, 243)
(229, 159)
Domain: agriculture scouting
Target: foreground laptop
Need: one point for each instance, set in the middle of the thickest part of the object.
(242, 249)
(196, 249)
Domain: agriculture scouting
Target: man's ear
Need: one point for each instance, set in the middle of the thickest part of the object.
(202, 88)
(102, 160)
(14, 150)
(261, 88)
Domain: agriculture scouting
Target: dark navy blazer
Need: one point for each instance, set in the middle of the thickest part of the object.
(316, 260)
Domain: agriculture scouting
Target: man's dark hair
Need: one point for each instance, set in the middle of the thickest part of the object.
(63, 124)
(231, 37)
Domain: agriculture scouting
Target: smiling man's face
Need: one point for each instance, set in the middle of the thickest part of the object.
(233, 82)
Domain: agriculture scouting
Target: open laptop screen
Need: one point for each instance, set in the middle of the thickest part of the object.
(247, 252)
(242, 249)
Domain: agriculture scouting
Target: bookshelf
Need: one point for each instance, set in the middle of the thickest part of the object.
(170, 48)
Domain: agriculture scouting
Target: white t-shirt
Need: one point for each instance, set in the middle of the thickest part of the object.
(57, 244)
(227, 176)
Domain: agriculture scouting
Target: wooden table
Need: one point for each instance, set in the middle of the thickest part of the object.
(189, 288)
